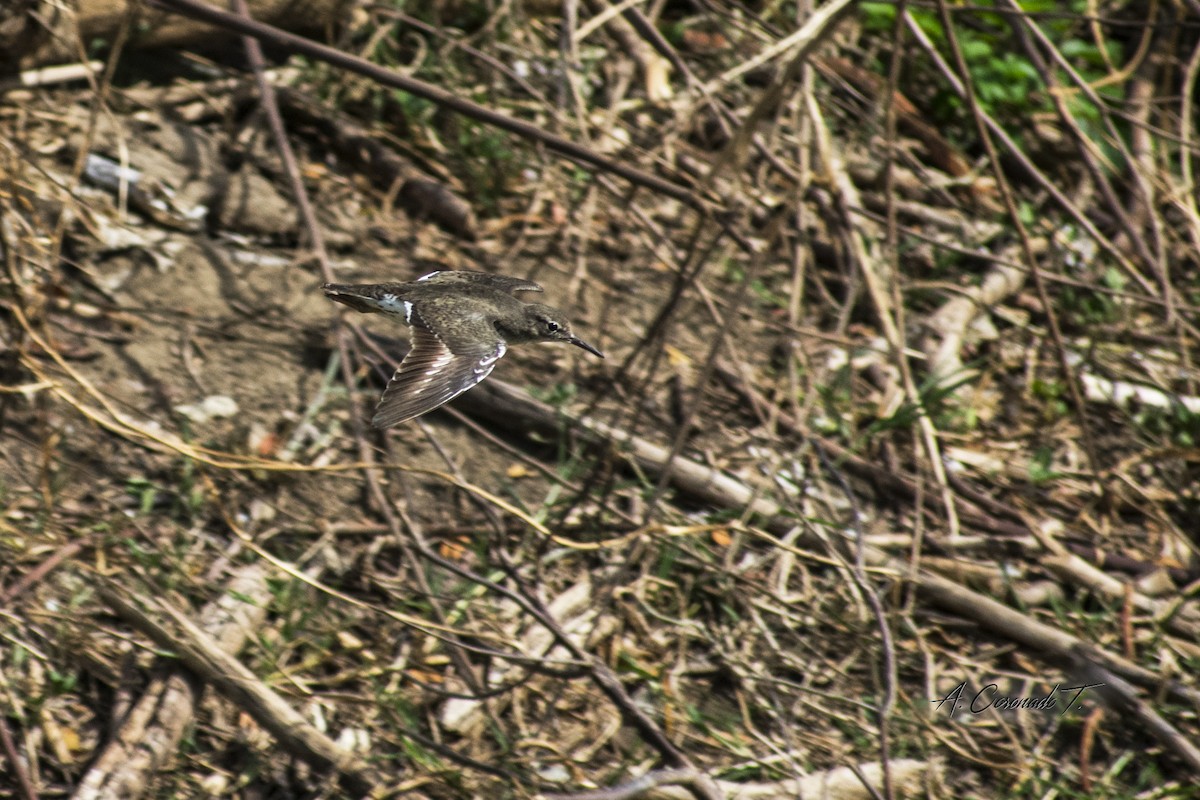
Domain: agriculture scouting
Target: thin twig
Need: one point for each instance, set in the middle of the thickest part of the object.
(17, 762)
(456, 103)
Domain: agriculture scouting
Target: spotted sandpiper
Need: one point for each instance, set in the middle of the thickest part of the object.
(462, 323)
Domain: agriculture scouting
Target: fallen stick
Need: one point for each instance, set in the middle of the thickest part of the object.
(511, 407)
(211, 661)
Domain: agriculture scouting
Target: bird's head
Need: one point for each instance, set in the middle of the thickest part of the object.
(546, 324)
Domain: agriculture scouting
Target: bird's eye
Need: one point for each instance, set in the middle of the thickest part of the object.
(552, 326)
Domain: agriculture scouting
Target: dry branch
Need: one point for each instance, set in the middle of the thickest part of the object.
(948, 326)
(862, 782)
(502, 404)
(149, 736)
(879, 279)
(49, 31)
(210, 662)
(449, 100)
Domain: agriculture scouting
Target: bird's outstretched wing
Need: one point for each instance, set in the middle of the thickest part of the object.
(501, 283)
(432, 374)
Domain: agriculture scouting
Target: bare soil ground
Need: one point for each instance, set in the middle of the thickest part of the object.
(893, 448)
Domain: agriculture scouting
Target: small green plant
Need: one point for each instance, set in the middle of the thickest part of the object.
(416, 113)
(767, 296)
(837, 404)
(489, 164)
(1177, 423)
(1041, 469)
(1006, 82)
(181, 496)
(934, 395)
(1055, 395)
(1087, 307)
(144, 491)
(558, 395)
(62, 682)
(667, 557)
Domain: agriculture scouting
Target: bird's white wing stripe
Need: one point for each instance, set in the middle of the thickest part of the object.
(430, 275)
(487, 362)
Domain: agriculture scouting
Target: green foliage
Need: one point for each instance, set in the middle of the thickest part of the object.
(767, 296)
(62, 682)
(1055, 393)
(1005, 81)
(934, 396)
(559, 395)
(144, 491)
(667, 558)
(488, 163)
(181, 497)
(1041, 469)
(416, 113)
(1086, 307)
(466, 17)
(628, 664)
(673, 32)
(1177, 423)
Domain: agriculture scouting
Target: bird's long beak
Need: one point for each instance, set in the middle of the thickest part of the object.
(351, 296)
(575, 340)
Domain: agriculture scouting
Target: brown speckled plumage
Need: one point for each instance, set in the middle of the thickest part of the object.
(462, 323)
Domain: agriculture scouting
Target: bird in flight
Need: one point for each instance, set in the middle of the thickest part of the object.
(462, 322)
